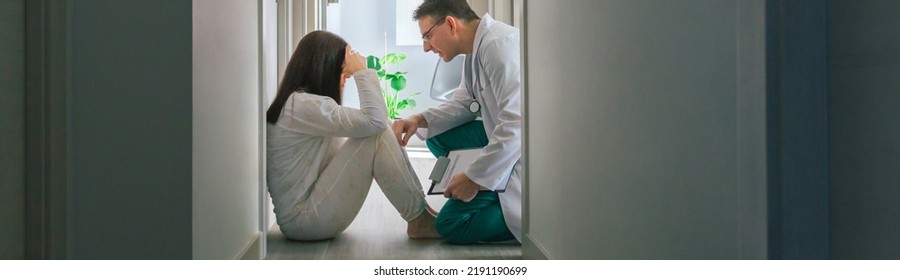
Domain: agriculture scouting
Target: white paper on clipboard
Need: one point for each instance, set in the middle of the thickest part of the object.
(456, 161)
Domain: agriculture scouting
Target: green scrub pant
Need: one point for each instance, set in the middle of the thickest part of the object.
(479, 220)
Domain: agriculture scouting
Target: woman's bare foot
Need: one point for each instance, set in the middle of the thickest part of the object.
(422, 227)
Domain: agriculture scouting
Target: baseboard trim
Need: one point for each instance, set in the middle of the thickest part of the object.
(532, 250)
(253, 249)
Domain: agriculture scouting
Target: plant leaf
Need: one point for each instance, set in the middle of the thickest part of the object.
(390, 100)
(397, 80)
(391, 58)
(398, 83)
(373, 62)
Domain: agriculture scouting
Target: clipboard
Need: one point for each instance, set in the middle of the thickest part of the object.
(455, 162)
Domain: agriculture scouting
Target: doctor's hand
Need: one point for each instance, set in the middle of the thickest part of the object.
(405, 128)
(461, 188)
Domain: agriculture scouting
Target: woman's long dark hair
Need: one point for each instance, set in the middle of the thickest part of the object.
(315, 68)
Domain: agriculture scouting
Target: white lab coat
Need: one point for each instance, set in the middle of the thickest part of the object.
(495, 63)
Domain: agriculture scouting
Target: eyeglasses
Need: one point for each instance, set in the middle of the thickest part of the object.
(427, 35)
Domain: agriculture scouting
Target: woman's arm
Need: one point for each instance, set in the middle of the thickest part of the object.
(320, 115)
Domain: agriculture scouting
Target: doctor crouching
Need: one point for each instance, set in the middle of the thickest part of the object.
(490, 89)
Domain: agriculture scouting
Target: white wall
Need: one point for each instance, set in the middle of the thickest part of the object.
(226, 128)
(12, 119)
(864, 139)
(633, 112)
(363, 25)
(128, 129)
(161, 128)
(480, 6)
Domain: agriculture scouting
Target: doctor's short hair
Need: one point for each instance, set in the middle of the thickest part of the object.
(439, 9)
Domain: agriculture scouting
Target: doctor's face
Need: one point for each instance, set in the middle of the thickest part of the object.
(436, 37)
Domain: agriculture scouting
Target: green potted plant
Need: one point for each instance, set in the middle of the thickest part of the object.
(392, 83)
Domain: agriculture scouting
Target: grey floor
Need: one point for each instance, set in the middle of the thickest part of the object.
(378, 233)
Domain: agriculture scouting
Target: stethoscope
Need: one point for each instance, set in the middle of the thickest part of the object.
(474, 107)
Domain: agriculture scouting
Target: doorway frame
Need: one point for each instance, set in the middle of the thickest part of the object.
(277, 38)
(46, 130)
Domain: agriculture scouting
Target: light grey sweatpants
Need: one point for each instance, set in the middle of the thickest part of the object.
(343, 185)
